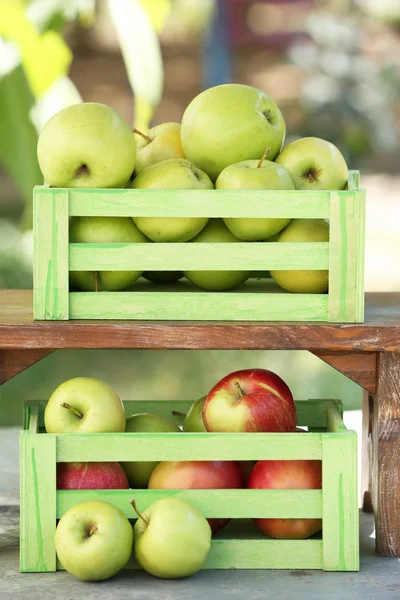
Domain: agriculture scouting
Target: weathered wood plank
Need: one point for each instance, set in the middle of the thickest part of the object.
(214, 504)
(38, 503)
(183, 257)
(386, 456)
(358, 366)
(198, 306)
(50, 273)
(13, 362)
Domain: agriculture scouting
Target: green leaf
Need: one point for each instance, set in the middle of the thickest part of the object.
(142, 55)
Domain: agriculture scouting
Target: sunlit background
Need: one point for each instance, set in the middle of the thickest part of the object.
(332, 66)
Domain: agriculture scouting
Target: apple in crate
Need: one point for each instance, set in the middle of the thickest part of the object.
(94, 540)
(158, 144)
(314, 164)
(87, 145)
(287, 475)
(139, 472)
(202, 475)
(250, 400)
(229, 123)
(91, 476)
(84, 405)
(193, 421)
(173, 174)
(171, 538)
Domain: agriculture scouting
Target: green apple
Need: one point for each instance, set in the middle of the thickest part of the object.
(255, 175)
(216, 231)
(179, 174)
(138, 472)
(314, 164)
(229, 123)
(84, 405)
(163, 276)
(94, 540)
(160, 143)
(194, 417)
(87, 145)
(171, 538)
(101, 230)
(303, 282)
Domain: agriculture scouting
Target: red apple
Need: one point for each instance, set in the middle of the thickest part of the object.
(203, 475)
(287, 475)
(250, 400)
(91, 476)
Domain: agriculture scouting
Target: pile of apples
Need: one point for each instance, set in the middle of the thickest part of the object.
(231, 138)
(171, 538)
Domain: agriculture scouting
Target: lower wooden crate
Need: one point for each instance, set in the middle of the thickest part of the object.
(240, 545)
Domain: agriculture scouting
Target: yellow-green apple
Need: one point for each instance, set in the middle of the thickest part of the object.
(194, 417)
(175, 174)
(229, 123)
(255, 175)
(202, 475)
(84, 405)
(171, 538)
(159, 143)
(250, 400)
(292, 475)
(314, 164)
(163, 276)
(91, 476)
(139, 472)
(101, 230)
(87, 145)
(218, 281)
(303, 281)
(94, 540)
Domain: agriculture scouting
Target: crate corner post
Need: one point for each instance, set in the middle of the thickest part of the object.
(50, 275)
(38, 502)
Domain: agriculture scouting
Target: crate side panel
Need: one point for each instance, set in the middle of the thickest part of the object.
(50, 274)
(198, 306)
(38, 503)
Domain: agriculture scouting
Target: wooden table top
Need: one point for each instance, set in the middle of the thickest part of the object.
(381, 331)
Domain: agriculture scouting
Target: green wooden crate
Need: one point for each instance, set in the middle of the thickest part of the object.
(240, 545)
(257, 300)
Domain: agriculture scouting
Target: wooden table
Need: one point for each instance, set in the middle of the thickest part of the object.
(368, 353)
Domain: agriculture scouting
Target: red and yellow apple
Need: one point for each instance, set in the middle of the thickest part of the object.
(250, 400)
(287, 475)
(202, 475)
(91, 476)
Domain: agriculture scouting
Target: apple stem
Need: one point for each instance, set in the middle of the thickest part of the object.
(139, 514)
(76, 412)
(177, 413)
(264, 156)
(241, 392)
(310, 178)
(96, 281)
(93, 530)
(145, 137)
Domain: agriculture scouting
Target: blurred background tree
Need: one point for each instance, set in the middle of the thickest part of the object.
(332, 66)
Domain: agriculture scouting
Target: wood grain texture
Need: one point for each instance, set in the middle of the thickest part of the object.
(38, 503)
(50, 272)
(13, 362)
(381, 331)
(185, 257)
(358, 366)
(386, 456)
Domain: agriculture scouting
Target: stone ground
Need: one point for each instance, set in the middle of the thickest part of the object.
(379, 578)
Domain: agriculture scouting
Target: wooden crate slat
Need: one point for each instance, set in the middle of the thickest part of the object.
(50, 273)
(183, 446)
(183, 257)
(200, 203)
(199, 306)
(233, 503)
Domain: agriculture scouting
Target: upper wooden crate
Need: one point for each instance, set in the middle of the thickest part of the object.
(256, 300)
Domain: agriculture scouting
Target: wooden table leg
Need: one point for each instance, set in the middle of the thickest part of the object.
(386, 455)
